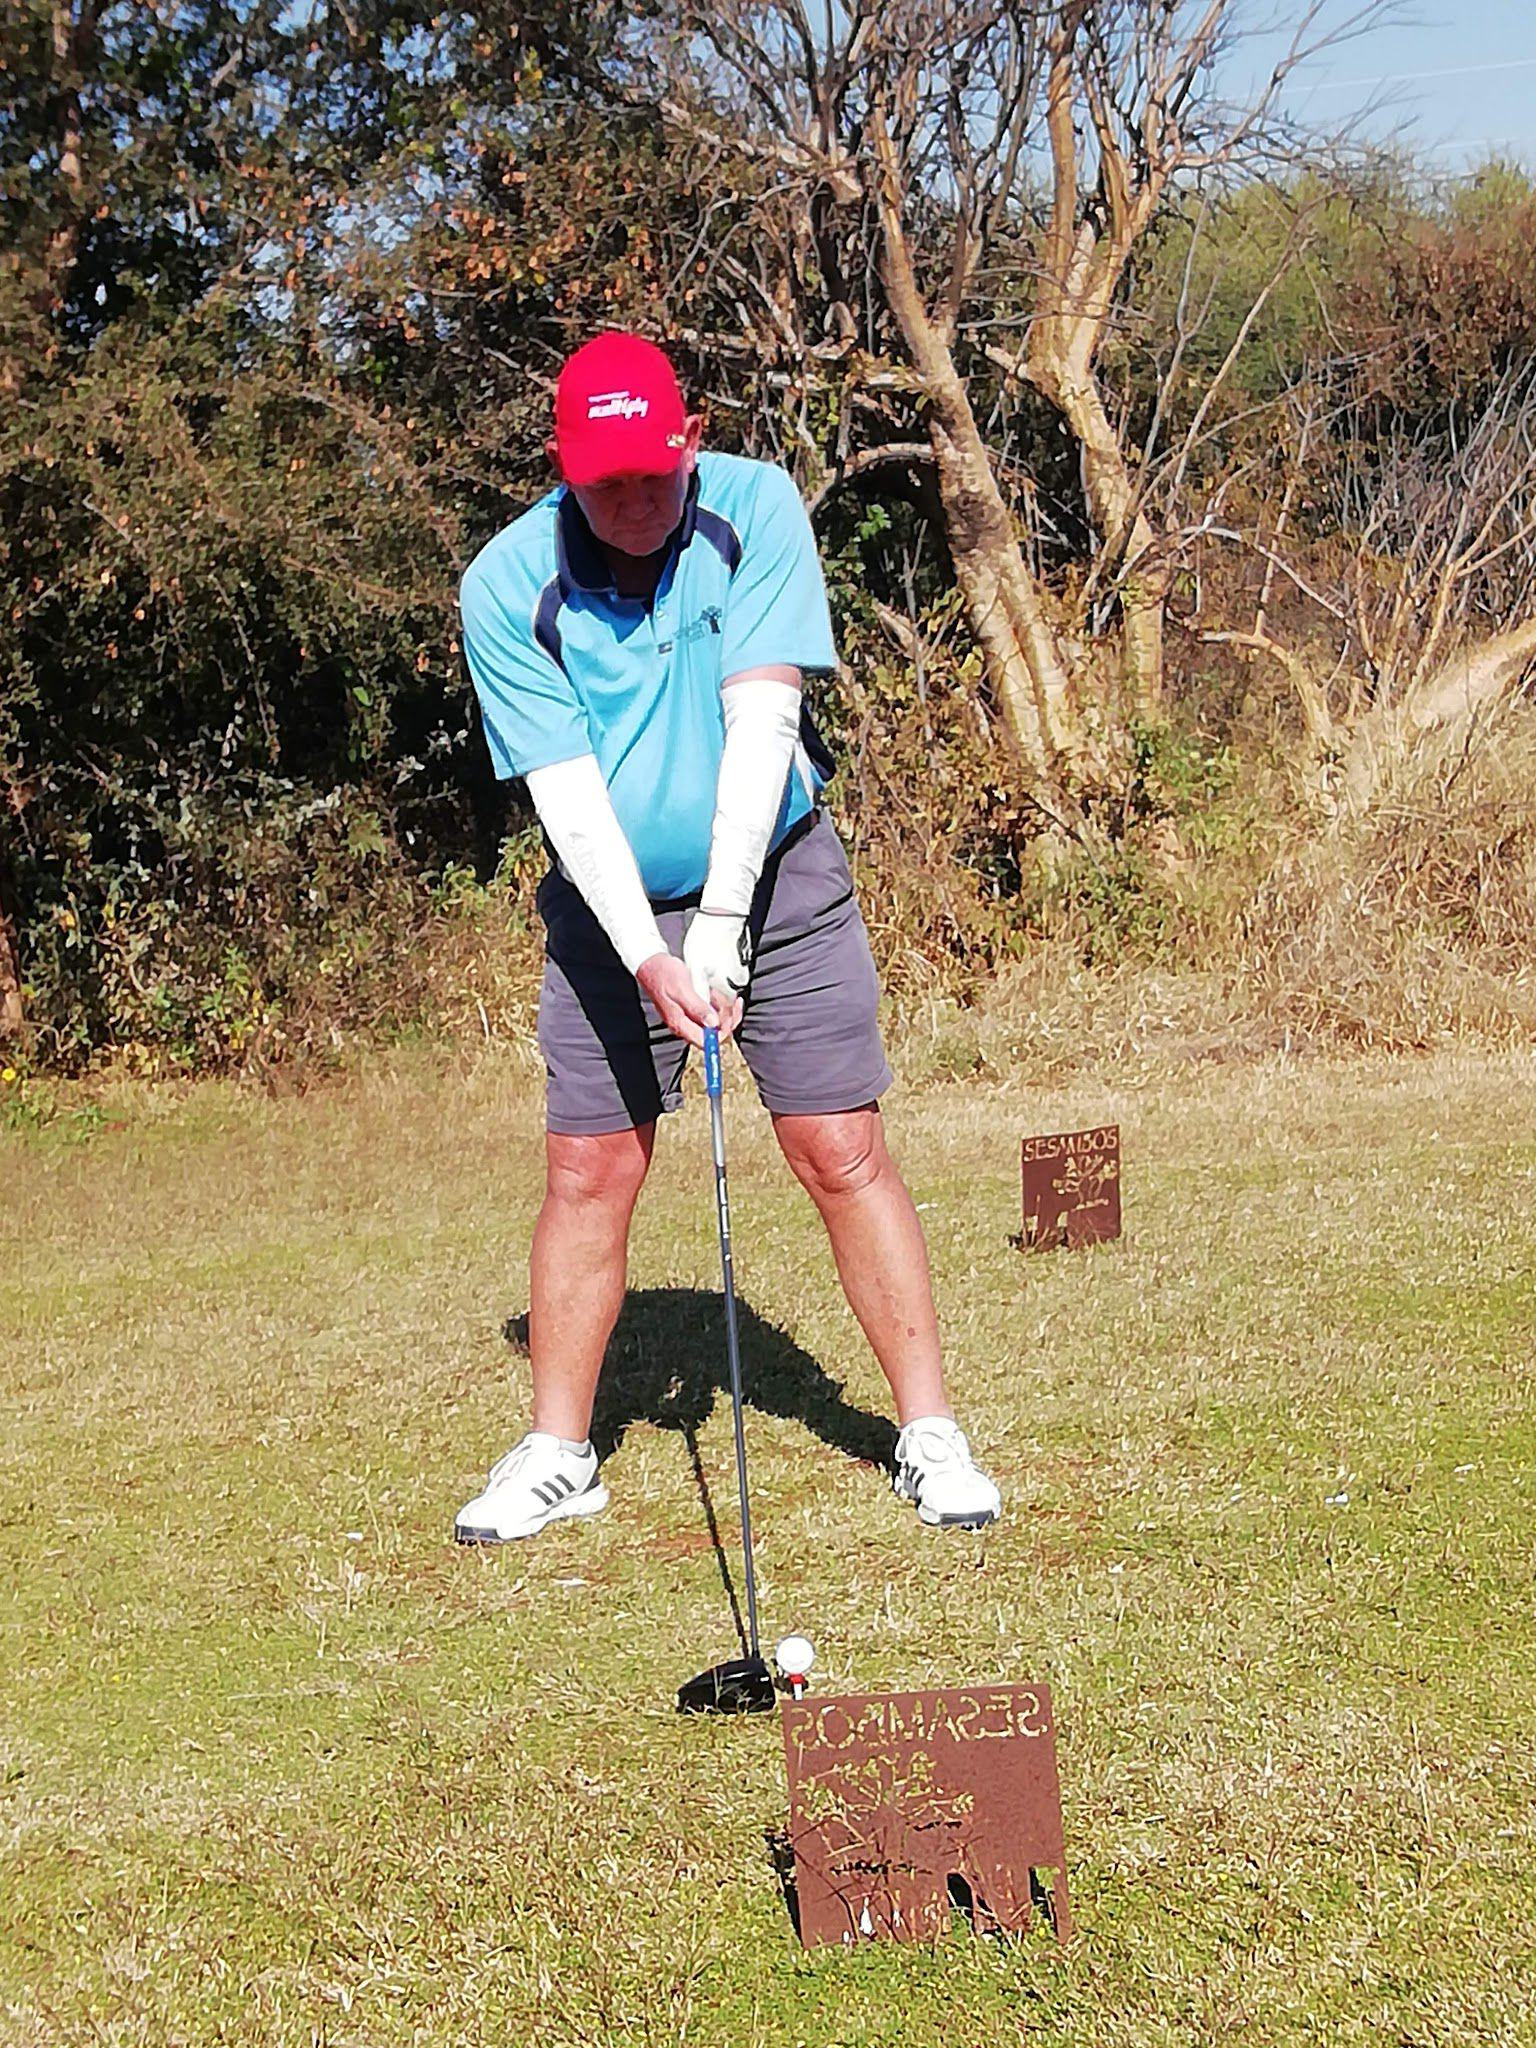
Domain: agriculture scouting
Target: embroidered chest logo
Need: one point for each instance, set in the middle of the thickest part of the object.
(708, 621)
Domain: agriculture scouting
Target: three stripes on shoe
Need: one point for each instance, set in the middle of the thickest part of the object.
(554, 1490)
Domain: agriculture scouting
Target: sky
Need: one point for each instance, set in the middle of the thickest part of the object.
(1458, 82)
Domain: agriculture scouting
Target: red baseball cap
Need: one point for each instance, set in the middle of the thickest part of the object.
(618, 411)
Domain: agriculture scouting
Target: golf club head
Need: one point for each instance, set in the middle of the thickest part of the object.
(743, 1686)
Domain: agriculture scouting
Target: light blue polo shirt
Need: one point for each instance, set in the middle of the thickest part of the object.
(563, 665)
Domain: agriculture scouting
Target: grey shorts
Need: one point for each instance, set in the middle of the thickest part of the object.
(809, 1031)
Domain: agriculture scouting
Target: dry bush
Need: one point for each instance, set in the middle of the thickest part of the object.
(1416, 924)
(1399, 932)
(1052, 1017)
(480, 974)
(1396, 933)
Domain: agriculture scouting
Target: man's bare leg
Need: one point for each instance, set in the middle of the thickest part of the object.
(577, 1270)
(877, 1241)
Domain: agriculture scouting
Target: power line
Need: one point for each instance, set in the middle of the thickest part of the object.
(1482, 142)
(1417, 77)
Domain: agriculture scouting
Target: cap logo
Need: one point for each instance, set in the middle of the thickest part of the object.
(616, 405)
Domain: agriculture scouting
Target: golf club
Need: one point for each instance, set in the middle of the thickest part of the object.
(744, 1685)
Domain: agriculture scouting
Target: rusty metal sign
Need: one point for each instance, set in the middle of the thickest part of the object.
(904, 1804)
(1071, 1189)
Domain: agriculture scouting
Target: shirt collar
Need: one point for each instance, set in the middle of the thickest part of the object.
(579, 556)
(581, 561)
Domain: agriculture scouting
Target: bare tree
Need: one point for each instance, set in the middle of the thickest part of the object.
(1132, 115)
(897, 137)
(902, 232)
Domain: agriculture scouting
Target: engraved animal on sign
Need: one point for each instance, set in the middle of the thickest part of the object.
(1083, 1184)
(1071, 1189)
(893, 1796)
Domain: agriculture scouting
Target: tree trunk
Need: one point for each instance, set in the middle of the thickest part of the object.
(1082, 261)
(1028, 673)
(1058, 362)
(1023, 653)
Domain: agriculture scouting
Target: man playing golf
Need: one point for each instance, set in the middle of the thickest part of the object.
(637, 642)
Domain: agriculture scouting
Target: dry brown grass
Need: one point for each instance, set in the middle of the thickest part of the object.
(1416, 925)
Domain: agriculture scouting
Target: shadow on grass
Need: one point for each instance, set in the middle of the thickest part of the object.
(781, 1856)
(666, 1365)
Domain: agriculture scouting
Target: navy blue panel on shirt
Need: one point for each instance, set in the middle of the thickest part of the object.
(721, 536)
(546, 621)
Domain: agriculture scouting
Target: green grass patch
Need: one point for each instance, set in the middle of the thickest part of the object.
(279, 1764)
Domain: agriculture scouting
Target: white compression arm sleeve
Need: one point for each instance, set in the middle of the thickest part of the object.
(762, 725)
(576, 811)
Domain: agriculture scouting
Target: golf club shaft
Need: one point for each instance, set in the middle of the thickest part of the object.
(713, 1087)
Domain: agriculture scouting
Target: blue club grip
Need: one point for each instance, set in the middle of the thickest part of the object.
(712, 1080)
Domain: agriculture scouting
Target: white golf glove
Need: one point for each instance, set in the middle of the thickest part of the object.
(717, 952)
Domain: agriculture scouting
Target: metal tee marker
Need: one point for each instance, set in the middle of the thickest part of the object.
(901, 1804)
(1071, 1189)
(744, 1685)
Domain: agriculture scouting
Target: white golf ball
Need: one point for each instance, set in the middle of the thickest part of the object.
(794, 1656)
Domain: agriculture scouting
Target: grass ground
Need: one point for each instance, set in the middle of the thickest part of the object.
(279, 1765)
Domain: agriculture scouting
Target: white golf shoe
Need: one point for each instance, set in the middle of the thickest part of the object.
(935, 1469)
(539, 1481)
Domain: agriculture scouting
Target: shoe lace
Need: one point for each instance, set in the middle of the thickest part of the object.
(931, 1446)
(511, 1462)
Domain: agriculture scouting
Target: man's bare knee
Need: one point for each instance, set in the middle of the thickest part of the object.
(604, 1170)
(834, 1156)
